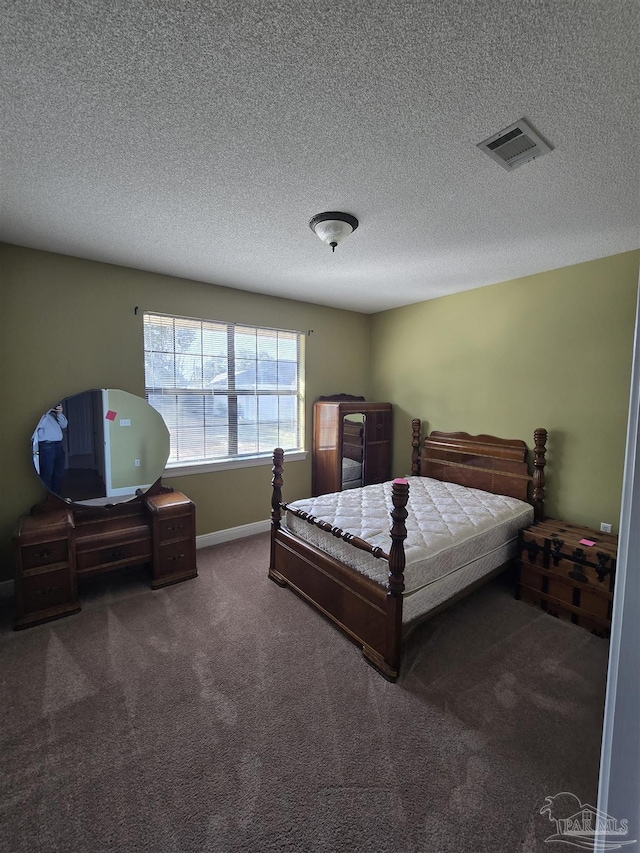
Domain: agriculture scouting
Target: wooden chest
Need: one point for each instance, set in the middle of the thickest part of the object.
(569, 571)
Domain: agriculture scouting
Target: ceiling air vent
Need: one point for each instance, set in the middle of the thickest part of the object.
(515, 145)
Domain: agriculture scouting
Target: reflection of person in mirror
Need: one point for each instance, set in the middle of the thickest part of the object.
(48, 434)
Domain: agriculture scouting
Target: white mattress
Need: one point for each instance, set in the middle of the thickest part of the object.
(351, 474)
(351, 470)
(449, 528)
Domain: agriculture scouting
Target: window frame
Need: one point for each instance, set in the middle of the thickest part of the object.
(244, 460)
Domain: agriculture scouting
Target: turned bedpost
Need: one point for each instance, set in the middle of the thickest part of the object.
(276, 483)
(415, 447)
(399, 496)
(539, 461)
(397, 560)
(276, 512)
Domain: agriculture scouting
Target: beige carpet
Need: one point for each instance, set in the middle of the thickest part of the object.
(223, 714)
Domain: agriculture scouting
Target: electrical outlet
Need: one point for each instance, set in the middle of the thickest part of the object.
(604, 527)
(136, 462)
(125, 421)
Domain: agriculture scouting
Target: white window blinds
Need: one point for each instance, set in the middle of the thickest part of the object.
(225, 391)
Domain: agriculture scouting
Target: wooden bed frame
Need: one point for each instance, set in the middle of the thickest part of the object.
(369, 613)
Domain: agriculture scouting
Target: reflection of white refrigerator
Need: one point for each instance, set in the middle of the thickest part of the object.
(112, 402)
(106, 444)
(108, 472)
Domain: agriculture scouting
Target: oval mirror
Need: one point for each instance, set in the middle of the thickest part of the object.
(100, 447)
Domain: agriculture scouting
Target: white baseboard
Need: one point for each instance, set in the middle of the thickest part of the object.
(220, 536)
(204, 541)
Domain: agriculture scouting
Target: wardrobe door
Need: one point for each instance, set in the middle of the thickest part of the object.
(377, 449)
(326, 457)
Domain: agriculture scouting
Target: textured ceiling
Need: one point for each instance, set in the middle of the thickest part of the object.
(198, 138)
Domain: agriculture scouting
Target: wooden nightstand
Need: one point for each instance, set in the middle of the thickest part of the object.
(566, 576)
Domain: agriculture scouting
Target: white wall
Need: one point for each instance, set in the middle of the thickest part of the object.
(619, 792)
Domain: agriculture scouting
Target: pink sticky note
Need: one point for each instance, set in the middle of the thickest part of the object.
(400, 480)
(587, 542)
(110, 416)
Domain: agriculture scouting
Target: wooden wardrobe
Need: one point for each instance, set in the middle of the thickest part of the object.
(347, 431)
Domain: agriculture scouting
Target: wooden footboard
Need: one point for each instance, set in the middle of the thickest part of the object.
(370, 614)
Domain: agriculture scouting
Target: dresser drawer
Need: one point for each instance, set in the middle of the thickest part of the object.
(176, 561)
(113, 556)
(180, 527)
(46, 589)
(45, 595)
(44, 554)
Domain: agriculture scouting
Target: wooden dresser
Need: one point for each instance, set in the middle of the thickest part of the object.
(337, 433)
(569, 571)
(59, 544)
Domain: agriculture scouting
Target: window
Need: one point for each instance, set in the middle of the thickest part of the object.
(225, 391)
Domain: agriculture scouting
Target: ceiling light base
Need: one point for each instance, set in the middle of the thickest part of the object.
(333, 226)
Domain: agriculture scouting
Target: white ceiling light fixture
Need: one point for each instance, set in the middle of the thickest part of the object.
(333, 226)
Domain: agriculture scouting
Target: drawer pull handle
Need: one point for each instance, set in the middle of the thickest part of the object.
(176, 556)
(46, 553)
(175, 527)
(117, 553)
(47, 590)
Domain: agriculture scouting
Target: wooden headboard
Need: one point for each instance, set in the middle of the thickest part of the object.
(496, 465)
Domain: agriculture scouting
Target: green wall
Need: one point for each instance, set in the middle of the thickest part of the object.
(70, 324)
(551, 350)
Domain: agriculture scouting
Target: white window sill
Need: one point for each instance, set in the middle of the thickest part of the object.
(227, 464)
